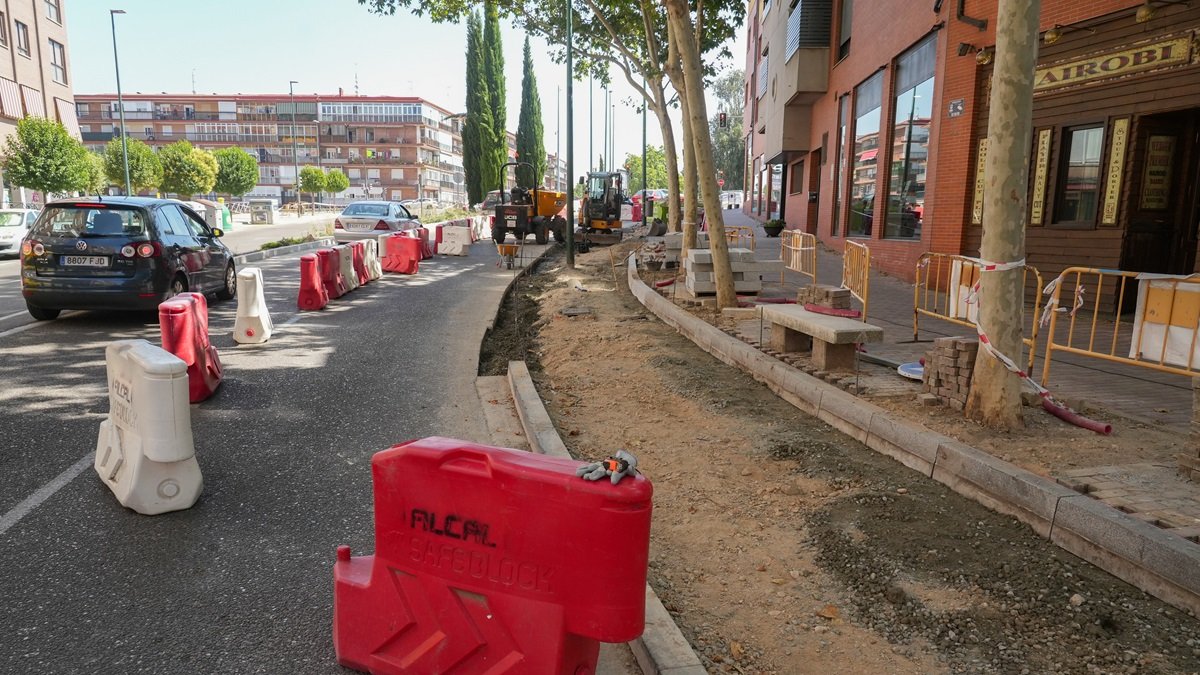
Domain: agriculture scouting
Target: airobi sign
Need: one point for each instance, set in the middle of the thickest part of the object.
(1152, 56)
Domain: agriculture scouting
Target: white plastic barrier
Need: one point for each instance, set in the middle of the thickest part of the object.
(346, 263)
(144, 453)
(371, 260)
(455, 241)
(253, 325)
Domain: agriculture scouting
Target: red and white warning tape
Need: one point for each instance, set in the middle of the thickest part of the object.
(1052, 302)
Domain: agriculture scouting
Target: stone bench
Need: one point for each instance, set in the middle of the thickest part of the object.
(831, 339)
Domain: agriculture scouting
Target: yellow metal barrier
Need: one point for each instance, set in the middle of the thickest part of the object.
(1161, 334)
(740, 236)
(856, 272)
(798, 251)
(944, 282)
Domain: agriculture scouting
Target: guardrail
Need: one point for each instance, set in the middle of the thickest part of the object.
(740, 236)
(798, 251)
(856, 272)
(1161, 334)
(943, 285)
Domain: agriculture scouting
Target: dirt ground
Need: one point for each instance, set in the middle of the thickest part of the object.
(781, 546)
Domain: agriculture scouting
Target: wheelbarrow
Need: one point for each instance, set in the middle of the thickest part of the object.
(509, 254)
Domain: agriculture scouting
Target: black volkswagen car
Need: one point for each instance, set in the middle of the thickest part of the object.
(120, 253)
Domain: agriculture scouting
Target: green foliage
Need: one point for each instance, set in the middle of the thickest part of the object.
(656, 169)
(493, 65)
(187, 170)
(312, 179)
(478, 130)
(531, 147)
(237, 171)
(95, 180)
(287, 241)
(43, 156)
(336, 181)
(145, 170)
(729, 150)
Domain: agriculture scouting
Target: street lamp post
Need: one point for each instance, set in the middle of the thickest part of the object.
(295, 153)
(645, 203)
(569, 230)
(112, 15)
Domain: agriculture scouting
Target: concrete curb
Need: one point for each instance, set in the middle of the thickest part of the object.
(263, 254)
(662, 648)
(1162, 564)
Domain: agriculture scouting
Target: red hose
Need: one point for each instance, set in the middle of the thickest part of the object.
(847, 313)
(664, 283)
(1068, 415)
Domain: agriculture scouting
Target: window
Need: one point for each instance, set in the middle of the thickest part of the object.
(868, 97)
(1079, 178)
(3, 30)
(839, 174)
(58, 62)
(54, 11)
(844, 24)
(910, 140)
(22, 32)
(796, 178)
(762, 75)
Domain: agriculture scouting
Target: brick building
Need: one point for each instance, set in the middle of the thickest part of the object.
(867, 120)
(389, 147)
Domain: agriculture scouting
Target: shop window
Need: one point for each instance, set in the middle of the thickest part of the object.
(756, 184)
(864, 167)
(910, 140)
(838, 159)
(796, 178)
(1079, 176)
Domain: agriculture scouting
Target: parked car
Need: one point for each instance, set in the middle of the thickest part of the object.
(370, 218)
(732, 199)
(14, 224)
(120, 253)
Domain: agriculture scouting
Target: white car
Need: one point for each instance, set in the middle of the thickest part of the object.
(732, 199)
(371, 218)
(14, 225)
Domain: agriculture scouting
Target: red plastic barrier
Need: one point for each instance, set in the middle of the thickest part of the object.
(358, 251)
(183, 323)
(490, 560)
(403, 254)
(331, 274)
(426, 247)
(312, 291)
(437, 237)
(637, 211)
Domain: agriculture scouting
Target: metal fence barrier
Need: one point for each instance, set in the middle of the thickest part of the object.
(1160, 334)
(740, 236)
(856, 272)
(943, 284)
(798, 251)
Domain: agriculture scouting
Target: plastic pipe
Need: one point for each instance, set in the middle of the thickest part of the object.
(847, 313)
(1068, 415)
(664, 283)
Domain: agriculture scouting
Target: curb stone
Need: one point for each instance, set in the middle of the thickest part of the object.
(662, 648)
(263, 254)
(1159, 563)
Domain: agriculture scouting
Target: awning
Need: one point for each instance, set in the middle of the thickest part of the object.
(868, 155)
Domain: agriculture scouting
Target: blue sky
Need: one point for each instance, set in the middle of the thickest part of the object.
(256, 46)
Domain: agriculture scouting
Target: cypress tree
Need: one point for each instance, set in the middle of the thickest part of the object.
(470, 129)
(530, 145)
(494, 68)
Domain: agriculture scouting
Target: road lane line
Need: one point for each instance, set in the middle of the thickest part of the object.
(292, 320)
(43, 493)
(2, 318)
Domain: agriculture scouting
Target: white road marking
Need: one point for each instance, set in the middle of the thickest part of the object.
(25, 313)
(292, 320)
(43, 493)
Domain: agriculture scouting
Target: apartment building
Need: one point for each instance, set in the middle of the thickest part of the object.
(867, 120)
(389, 147)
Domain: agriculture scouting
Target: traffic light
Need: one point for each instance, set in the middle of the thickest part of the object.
(723, 120)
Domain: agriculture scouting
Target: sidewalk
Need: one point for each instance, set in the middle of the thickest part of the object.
(1141, 394)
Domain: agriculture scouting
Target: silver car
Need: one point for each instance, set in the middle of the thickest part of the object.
(14, 225)
(370, 218)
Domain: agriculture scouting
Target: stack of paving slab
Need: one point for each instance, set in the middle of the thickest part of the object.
(824, 296)
(674, 242)
(948, 369)
(747, 272)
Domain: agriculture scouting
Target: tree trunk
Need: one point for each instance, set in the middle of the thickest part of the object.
(995, 398)
(680, 31)
(675, 73)
(672, 160)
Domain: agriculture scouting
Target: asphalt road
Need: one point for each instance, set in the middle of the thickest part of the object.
(241, 582)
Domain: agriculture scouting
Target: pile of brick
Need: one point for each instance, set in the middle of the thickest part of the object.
(948, 369)
(825, 296)
(747, 272)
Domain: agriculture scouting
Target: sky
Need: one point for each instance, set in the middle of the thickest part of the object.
(257, 46)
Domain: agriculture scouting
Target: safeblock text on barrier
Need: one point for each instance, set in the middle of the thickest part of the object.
(489, 560)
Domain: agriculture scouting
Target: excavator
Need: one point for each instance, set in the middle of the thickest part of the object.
(600, 208)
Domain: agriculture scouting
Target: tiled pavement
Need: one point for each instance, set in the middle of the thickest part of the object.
(1154, 492)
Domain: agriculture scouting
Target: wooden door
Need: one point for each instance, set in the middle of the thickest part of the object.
(1161, 231)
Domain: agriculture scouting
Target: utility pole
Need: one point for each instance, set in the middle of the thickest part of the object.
(995, 397)
(295, 154)
(112, 15)
(569, 230)
(591, 124)
(645, 202)
(557, 139)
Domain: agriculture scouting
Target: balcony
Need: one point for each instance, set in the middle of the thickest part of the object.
(98, 136)
(798, 77)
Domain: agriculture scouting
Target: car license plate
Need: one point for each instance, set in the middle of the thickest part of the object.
(84, 260)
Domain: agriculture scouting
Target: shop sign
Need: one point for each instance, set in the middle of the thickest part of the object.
(1156, 177)
(1041, 170)
(1116, 169)
(980, 164)
(1114, 64)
